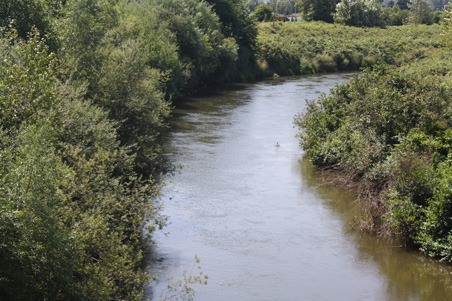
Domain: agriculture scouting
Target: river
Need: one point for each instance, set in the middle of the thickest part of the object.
(257, 217)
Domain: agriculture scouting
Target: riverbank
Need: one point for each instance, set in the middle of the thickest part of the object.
(390, 130)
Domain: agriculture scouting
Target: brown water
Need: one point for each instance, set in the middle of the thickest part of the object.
(257, 217)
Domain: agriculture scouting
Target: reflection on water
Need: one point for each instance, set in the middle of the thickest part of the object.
(410, 275)
(259, 220)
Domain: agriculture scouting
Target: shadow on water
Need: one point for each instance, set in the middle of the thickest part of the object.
(410, 276)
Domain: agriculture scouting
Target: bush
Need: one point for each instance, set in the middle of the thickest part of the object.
(391, 129)
(72, 206)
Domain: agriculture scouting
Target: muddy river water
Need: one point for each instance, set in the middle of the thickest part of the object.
(256, 216)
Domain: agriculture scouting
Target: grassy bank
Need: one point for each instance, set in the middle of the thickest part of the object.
(390, 131)
(303, 48)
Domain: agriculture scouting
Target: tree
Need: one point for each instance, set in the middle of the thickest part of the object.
(37, 253)
(359, 13)
(263, 13)
(24, 15)
(36, 250)
(318, 10)
(420, 12)
(81, 28)
(72, 205)
(395, 16)
(239, 24)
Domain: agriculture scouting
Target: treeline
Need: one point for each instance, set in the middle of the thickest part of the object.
(85, 90)
(390, 130)
(361, 13)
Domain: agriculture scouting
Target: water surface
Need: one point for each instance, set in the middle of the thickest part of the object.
(257, 217)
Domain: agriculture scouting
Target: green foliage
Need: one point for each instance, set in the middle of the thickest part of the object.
(318, 10)
(27, 81)
(24, 15)
(239, 24)
(420, 12)
(107, 203)
(435, 235)
(81, 28)
(263, 13)
(206, 54)
(395, 16)
(297, 48)
(37, 251)
(391, 129)
(368, 13)
(72, 206)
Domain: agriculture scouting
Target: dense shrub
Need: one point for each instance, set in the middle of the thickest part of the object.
(82, 118)
(237, 23)
(72, 207)
(391, 129)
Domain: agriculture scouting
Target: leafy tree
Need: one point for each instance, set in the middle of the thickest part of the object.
(263, 13)
(37, 253)
(106, 47)
(24, 15)
(394, 16)
(203, 49)
(36, 249)
(81, 28)
(238, 23)
(72, 205)
(420, 12)
(359, 13)
(318, 10)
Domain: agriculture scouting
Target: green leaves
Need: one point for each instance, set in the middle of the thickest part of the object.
(390, 129)
(72, 205)
(27, 83)
(300, 48)
(37, 250)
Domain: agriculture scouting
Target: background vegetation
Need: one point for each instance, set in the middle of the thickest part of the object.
(310, 47)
